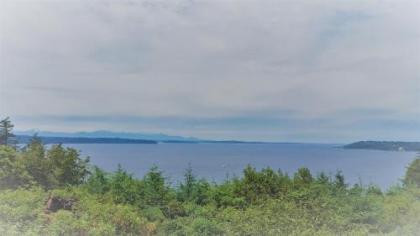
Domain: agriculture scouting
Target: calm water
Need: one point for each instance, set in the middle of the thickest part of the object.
(217, 161)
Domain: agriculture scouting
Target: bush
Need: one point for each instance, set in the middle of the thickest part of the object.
(202, 226)
(22, 211)
(153, 214)
(96, 216)
(12, 172)
(412, 176)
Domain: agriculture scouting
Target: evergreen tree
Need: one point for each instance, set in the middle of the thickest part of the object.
(98, 181)
(56, 167)
(155, 190)
(339, 180)
(124, 187)
(38, 166)
(6, 136)
(187, 187)
(68, 167)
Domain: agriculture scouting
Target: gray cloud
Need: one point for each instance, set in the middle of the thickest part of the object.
(214, 60)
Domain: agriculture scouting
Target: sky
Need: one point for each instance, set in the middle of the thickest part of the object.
(262, 70)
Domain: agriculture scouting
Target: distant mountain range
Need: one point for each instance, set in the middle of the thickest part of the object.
(111, 137)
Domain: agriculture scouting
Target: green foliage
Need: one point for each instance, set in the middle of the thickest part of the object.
(187, 189)
(21, 211)
(36, 163)
(174, 209)
(412, 176)
(67, 166)
(223, 195)
(320, 207)
(193, 190)
(262, 202)
(339, 180)
(153, 214)
(155, 191)
(266, 183)
(12, 172)
(302, 178)
(98, 181)
(203, 226)
(124, 188)
(7, 138)
(55, 167)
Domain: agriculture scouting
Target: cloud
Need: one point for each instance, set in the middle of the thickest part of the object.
(219, 61)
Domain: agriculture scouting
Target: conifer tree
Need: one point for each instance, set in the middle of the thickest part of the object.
(6, 136)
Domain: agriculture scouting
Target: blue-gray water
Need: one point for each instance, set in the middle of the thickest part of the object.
(216, 161)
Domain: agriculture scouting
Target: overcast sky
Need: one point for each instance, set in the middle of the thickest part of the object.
(313, 71)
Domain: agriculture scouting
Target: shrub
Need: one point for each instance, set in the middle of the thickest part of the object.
(153, 214)
(412, 176)
(12, 172)
(202, 226)
(22, 210)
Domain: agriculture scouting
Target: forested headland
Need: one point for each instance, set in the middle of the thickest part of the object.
(56, 191)
(385, 146)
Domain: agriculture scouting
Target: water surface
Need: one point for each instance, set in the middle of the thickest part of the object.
(217, 161)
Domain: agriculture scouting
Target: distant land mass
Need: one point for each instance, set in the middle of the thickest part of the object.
(385, 145)
(109, 134)
(103, 136)
(110, 137)
(23, 139)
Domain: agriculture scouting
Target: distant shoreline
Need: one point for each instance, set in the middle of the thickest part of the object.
(24, 139)
(366, 145)
(385, 146)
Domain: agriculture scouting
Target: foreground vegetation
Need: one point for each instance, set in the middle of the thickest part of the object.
(56, 192)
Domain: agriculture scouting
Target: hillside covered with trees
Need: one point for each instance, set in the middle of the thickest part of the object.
(385, 146)
(55, 191)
